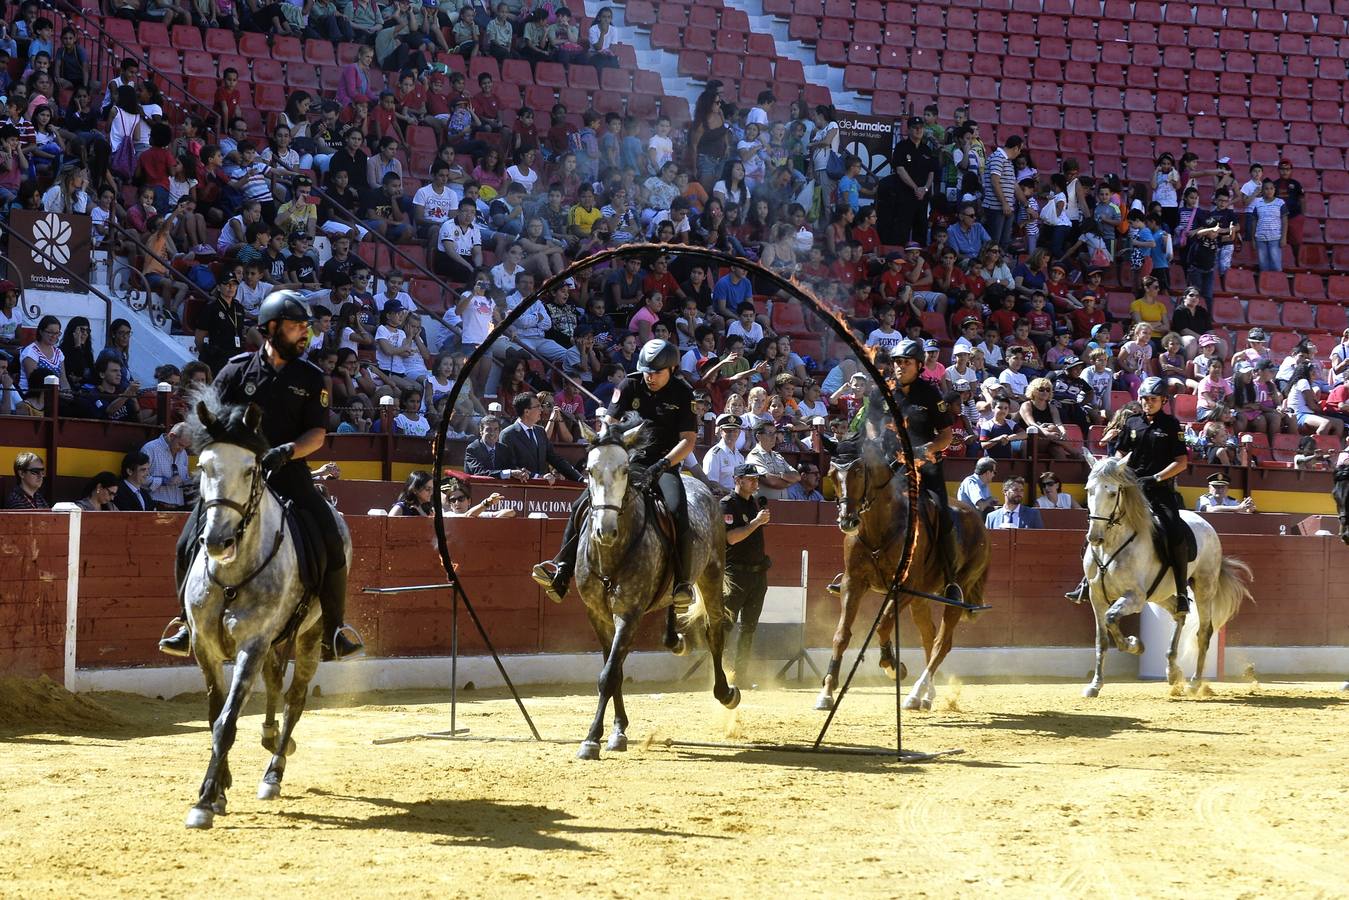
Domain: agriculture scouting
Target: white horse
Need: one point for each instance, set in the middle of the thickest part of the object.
(1123, 571)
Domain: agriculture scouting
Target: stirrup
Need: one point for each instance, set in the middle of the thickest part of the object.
(954, 593)
(180, 642)
(551, 580)
(342, 647)
(835, 587)
(1078, 594)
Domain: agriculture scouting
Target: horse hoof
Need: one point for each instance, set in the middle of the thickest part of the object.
(589, 750)
(912, 703)
(680, 647)
(889, 670)
(617, 742)
(1345, 686)
(926, 705)
(1091, 690)
(199, 818)
(733, 700)
(218, 807)
(824, 703)
(268, 790)
(903, 671)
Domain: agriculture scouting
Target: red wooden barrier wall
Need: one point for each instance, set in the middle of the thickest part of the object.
(126, 589)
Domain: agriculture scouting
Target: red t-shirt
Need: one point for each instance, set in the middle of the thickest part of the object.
(848, 273)
(414, 99)
(663, 283)
(229, 98)
(529, 134)
(892, 282)
(1040, 321)
(487, 106)
(964, 314)
(1004, 319)
(385, 123)
(868, 238)
(155, 165)
(1083, 321)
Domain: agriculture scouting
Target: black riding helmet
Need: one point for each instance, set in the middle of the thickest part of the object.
(656, 355)
(908, 349)
(283, 306)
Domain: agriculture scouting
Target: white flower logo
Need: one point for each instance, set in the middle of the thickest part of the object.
(51, 241)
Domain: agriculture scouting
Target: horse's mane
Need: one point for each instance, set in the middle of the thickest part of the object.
(1134, 507)
(613, 435)
(228, 426)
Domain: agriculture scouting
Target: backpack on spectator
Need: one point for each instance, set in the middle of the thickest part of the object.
(201, 276)
(123, 160)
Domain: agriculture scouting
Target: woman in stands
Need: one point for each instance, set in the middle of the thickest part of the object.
(98, 493)
(78, 351)
(602, 54)
(415, 500)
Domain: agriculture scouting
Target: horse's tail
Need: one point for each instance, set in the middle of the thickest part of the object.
(1234, 586)
(694, 620)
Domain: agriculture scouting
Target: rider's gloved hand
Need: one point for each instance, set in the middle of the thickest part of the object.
(277, 457)
(1145, 480)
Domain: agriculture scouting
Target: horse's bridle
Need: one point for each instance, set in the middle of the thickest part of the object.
(247, 511)
(865, 503)
(1114, 518)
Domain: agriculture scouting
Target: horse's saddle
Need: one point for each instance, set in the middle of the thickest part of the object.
(310, 550)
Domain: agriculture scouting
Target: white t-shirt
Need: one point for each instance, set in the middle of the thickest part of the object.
(1100, 383)
(388, 362)
(752, 337)
(417, 427)
(1297, 402)
(664, 148)
(250, 298)
(885, 340)
(438, 207)
(756, 116)
(1015, 382)
(477, 318)
(992, 353)
(820, 157)
(45, 366)
(9, 325)
(505, 281)
(464, 239)
(809, 411)
(527, 181)
(1049, 214)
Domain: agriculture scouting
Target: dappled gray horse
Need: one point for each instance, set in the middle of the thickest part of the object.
(242, 592)
(1124, 572)
(623, 570)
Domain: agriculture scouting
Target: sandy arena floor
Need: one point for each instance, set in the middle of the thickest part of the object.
(1243, 794)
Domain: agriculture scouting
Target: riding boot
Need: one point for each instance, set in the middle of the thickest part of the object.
(946, 547)
(683, 586)
(1180, 566)
(180, 642)
(339, 641)
(1078, 594)
(554, 575)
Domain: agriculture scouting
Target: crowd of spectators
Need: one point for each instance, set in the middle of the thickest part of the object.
(1001, 268)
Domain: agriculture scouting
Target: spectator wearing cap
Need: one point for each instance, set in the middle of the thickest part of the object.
(1217, 498)
(1210, 359)
(1012, 513)
(1257, 348)
(1086, 320)
(1073, 395)
(776, 473)
(746, 580)
(1052, 495)
(960, 368)
(722, 459)
(919, 279)
(974, 489)
(933, 370)
(915, 163)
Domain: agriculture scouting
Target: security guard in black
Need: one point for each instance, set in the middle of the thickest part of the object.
(745, 583)
(220, 327)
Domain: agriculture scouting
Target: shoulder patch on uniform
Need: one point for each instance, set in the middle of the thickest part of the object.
(941, 406)
(730, 519)
(636, 403)
(323, 397)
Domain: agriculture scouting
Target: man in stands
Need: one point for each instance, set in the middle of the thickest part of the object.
(529, 444)
(1012, 514)
(488, 457)
(974, 489)
(168, 468)
(967, 236)
(722, 459)
(1000, 191)
(132, 496)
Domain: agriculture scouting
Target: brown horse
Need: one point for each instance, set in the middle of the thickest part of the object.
(873, 507)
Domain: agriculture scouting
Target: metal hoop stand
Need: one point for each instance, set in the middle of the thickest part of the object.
(453, 584)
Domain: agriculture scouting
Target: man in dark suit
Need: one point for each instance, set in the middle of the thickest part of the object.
(1012, 514)
(529, 444)
(133, 497)
(489, 457)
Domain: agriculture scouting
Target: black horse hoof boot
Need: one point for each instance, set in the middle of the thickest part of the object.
(835, 587)
(683, 593)
(177, 644)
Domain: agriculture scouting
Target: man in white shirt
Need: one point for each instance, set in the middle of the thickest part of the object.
(1218, 499)
(1012, 378)
(434, 204)
(706, 346)
(168, 467)
(530, 329)
(974, 489)
(459, 245)
(720, 462)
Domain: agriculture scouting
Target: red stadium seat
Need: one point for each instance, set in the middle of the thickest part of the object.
(219, 40)
(1263, 312)
(1239, 281)
(254, 46)
(1331, 317)
(1273, 284)
(1298, 315)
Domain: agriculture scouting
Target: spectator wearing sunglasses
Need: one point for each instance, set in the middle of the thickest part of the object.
(30, 472)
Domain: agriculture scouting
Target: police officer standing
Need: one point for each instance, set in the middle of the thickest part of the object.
(665, 403)
(746, 579)
(1157, 454)
(294, 400)
(915, 163)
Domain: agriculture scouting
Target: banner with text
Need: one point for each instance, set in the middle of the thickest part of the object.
(871, 139)
(42, 243)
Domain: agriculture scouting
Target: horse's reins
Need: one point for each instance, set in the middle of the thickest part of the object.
(246, 512)
(864, 505)
(1103, 565)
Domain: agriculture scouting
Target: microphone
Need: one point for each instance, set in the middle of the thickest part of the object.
(763, 502)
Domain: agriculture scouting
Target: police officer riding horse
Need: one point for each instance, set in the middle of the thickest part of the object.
(292, 395)
(665, 403)
(929, 420)
(1154, 449)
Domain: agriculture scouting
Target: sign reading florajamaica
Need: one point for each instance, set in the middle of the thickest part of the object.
(51, 250)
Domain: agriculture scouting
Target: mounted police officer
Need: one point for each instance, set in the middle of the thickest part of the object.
(1156, 453)
(665, 403)
(930, 422)
(294, 401)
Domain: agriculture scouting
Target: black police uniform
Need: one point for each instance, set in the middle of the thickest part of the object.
(926, 415)
(667, 412)
(224, 327)
(912, 213)
(746, 580)
(294, 400)
(1153, 445)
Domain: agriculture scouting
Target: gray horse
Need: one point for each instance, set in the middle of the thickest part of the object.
(240, 594)
(623, 571)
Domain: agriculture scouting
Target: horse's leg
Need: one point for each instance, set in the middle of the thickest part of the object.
(1173, 673)
(674, 641)
(946, 636)
(273, 676)
(889, 652)
(850, 594)
(921, 610)
(212, 798)
(618, 740)
(710, 595)
(1204, 635)
(1093, 689)
(306, 664)
(621, 637)
(1127, 605)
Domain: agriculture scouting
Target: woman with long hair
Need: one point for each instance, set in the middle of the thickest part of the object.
(128, 123)
(97, 493)
(68, 194)
(79, 352)
(1039, 411)
(415, 500)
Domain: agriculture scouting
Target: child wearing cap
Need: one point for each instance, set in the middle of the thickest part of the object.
(1208, 360)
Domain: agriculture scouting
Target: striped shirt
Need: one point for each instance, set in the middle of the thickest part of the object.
(1001, 165)
(164, 465)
